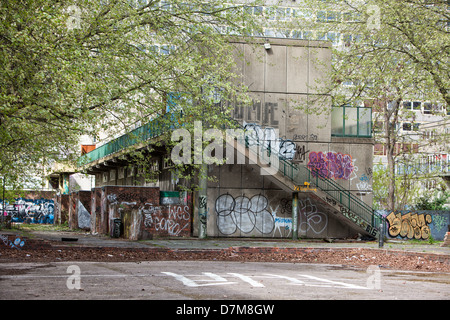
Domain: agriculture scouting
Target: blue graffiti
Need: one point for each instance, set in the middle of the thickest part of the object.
(31, 211)
(17, 243)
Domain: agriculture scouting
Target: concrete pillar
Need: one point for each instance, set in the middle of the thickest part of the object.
(294, 216)
(202, 201)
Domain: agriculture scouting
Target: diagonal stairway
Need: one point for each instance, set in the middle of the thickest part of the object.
(289, 176)
(293, 178)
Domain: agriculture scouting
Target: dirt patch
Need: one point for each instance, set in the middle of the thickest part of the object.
(340, 256)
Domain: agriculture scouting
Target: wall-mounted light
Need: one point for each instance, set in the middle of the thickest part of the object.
(267, 46)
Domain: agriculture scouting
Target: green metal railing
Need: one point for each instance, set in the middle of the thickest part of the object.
(150, 130)
(299, 174)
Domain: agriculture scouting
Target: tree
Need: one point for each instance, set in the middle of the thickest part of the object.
(391, 51)
(83, 67)
(438, 203)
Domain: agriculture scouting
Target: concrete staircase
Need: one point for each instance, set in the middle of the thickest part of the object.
(292, 177)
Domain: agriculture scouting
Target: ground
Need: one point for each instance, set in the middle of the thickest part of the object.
(56, 251)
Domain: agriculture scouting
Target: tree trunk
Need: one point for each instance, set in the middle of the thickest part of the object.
(390, 121)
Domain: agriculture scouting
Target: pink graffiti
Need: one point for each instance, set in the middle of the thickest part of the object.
(331, 165)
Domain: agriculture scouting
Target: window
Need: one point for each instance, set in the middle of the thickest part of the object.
(348, 121)
(334, 37)
(321, 35)
(296, 34)
(379, 149)
(328, 16)
(337, 123)
(409, 126)
(407, 105)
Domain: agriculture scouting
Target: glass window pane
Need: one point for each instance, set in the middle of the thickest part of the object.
(337, 121)
(365, 122)
(351, 121)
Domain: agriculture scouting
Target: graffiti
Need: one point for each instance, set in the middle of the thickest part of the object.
(17, 243)
(300, 154)
(286, 206)
(313, 220)
(437, 222)
(117, 226)
(364, 185)
(410, 225)
(440, 222)
(304, 137)
(255, 113)
(310, 218)
(281, 224)
(331, 165)
(358, 220)
(31, 211)
(331, 201)
(202, 202)
(249, 214)
(353, 217)
(267, 138)
(170, 219)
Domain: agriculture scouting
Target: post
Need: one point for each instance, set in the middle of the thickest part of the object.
(202, 201)
(3, 202)
(381, 236)
(294, 215)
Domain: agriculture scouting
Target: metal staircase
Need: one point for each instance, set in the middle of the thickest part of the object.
(292, 177)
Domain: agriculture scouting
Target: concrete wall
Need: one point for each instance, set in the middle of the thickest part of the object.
(283, 84)
(245, 204)
(140, 213)
(79, 214)
(62, 208)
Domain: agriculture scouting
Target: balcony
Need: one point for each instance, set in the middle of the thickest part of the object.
(148, 131)
(348, 121)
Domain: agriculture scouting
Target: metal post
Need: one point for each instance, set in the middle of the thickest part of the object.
(3, 201)
(202, 201)
(381, 236)
(294, 216)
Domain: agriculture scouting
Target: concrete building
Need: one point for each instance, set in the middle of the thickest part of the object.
(305, 174)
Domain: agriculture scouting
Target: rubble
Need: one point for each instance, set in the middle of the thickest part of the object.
(354, 257)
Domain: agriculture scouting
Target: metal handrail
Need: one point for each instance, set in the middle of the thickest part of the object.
(299, 174)
(150, 130)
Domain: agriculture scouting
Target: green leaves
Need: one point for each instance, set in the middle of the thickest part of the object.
(99, 67)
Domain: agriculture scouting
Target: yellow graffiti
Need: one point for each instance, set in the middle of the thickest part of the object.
(409, 225)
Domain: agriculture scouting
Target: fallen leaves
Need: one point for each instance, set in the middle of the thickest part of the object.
(353, 257)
